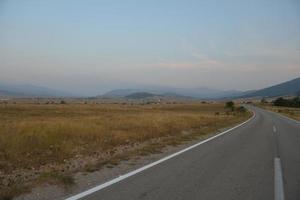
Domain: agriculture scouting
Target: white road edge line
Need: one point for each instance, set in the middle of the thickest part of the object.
(280, 115)
(278, 180)
(285, 117)
(120, 178)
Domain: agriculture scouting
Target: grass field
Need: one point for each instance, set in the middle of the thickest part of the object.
(36, 135)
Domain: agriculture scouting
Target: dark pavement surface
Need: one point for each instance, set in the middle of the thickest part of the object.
(237, 165)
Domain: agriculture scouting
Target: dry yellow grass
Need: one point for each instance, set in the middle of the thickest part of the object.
(32, 135)
(37, 135)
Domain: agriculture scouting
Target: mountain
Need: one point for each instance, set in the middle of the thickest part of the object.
(143, 95)
(201, 92)
(26, 90)
(121, 92)
(140, 95)
(238, 94)
(291, 87)
(5, 93)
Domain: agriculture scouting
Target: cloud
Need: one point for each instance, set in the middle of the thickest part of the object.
(195, 60)
(259, 58)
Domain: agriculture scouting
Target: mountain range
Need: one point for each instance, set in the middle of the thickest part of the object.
(291, 87)
(201, 92)
(27, 90)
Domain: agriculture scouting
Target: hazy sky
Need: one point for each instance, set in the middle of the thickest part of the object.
(93, 46)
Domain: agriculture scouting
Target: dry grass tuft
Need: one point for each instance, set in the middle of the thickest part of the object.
(57, 178)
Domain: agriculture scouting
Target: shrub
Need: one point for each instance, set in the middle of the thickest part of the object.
(263, 100)
(295, 102)
(230, 105)
(241, 109)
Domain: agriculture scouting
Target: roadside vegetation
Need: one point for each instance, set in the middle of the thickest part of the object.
(293, 113)
(286, 106)
(48, 142)
(294, 102)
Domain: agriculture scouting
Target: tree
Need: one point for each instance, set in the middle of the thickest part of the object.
(230, 105)
(295, 102)
(280, 102)
(263, 100)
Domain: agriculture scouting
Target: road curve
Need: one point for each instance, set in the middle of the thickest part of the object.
(259, 160)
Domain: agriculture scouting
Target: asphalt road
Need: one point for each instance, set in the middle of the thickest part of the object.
(258, 160)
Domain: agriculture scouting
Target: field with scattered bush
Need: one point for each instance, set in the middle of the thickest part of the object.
(33, 136)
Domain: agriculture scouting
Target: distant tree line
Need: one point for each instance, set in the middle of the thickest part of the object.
(295, 102)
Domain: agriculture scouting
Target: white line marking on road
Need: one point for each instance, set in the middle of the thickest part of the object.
(285, 117)
(281, 115)
(120, 178)
(274, 129)
(278, 180)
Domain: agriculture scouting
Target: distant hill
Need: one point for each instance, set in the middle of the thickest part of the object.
(26, 90)
(287, 88)
(291, 87)
(171, 94)
(140, 95)
(238, 94)
(201, 92)
(121, 92)
(143, 95)
(5, 93)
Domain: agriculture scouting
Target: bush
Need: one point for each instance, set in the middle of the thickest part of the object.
(263, 100)
(230, 105)
(295, 102)
(241, 109)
